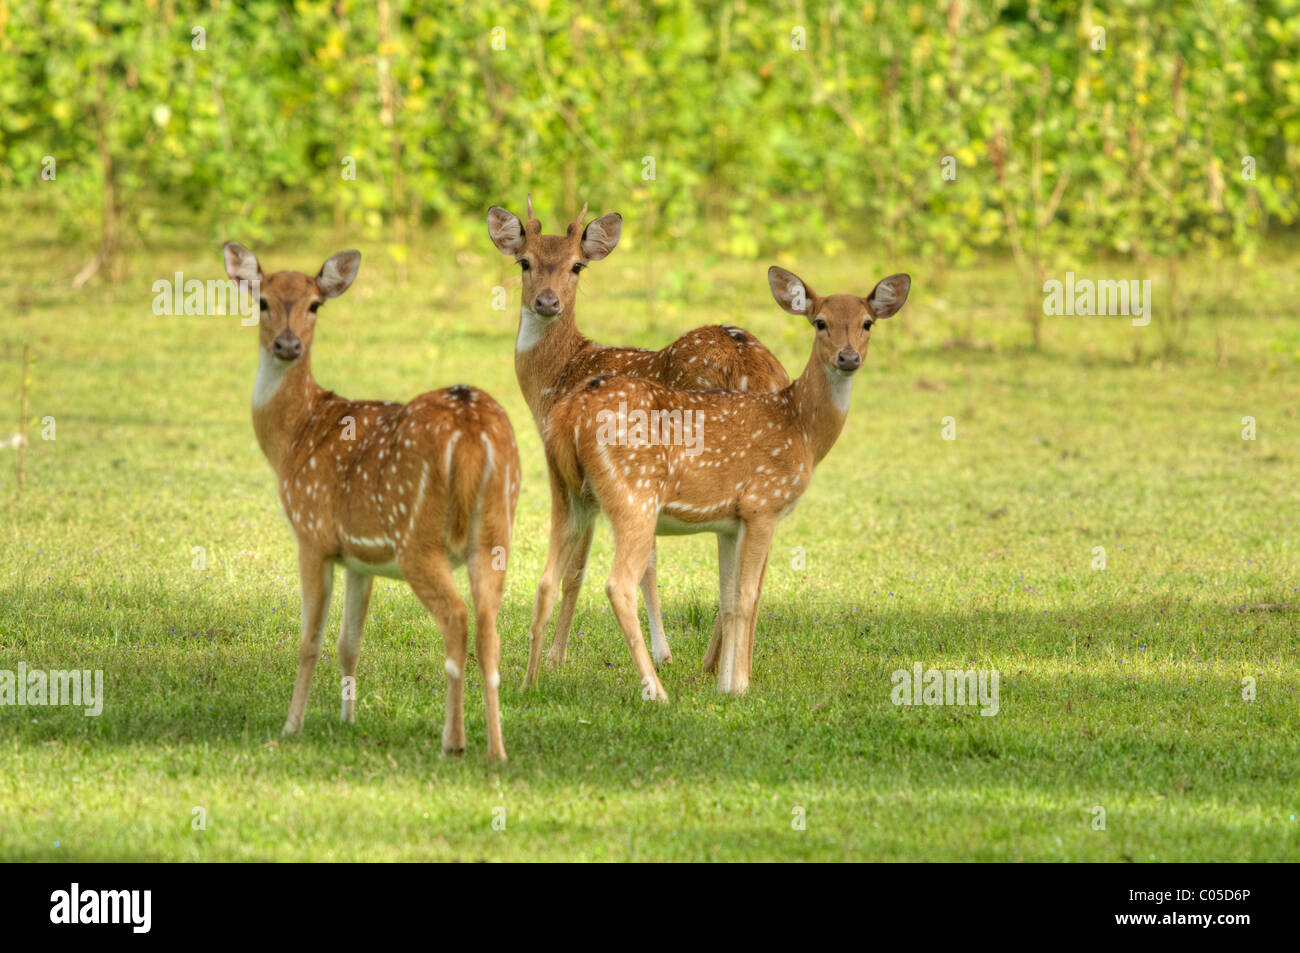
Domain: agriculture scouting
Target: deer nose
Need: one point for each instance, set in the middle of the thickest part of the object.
(547, 304)
(287, 346)
(848, 360)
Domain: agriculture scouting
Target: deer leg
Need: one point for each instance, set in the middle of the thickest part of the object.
(733, 672)
(659, 649)
(486, 584)
(752, 624)
(544, 601)
(728, 544)
(432, 583)
(569, 527)
(573, 575)
(316, 574)
(632, 547)
(356, 600)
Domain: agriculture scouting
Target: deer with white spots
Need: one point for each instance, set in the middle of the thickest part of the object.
(408, 491)
(753, 458)
(552, 358)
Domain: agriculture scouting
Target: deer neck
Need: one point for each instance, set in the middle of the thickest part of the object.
(543, 348)
(821, 404)
(283, 398)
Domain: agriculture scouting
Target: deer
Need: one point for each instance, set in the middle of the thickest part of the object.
(405, 491)
(552, 357)
(661, 460)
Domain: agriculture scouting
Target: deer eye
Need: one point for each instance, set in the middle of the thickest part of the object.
(522, 263)
(819, 324)
(264, 305)
(313, 306)
(866, 325)
(577, 267)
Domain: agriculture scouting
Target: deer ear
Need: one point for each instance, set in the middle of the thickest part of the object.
(241, 264)
(338, 273)
(888, 296)
(790, 292)
(505, 230)
(601, 235)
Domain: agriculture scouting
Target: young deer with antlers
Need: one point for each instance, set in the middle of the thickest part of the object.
(552, 357)
(754, 461)
(407, 491)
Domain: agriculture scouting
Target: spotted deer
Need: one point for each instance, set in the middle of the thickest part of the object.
(552, 357)
(733, 464)
(407, 491)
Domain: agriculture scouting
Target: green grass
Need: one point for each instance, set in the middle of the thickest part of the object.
(1120, 688)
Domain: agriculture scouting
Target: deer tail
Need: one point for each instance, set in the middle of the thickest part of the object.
(470, 468)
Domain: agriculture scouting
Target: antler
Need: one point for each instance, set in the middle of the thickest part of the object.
(532, 219)
(581, 215)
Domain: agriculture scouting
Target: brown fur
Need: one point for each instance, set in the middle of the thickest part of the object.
(414, 489)
(562, 358)
(755, 460)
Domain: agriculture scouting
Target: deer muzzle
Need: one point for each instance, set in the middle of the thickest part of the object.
(848, 360)
(547, 304)
(287, 346)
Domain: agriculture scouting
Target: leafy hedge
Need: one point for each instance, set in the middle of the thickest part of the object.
(938, 129)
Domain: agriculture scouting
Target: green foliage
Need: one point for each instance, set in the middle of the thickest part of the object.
(768, 126)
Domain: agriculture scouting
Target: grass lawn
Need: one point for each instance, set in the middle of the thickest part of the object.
(1120, 689)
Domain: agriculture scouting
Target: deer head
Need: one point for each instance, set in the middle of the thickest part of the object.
(843, 321)
(551, 264)
(290, 299)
